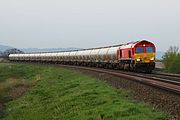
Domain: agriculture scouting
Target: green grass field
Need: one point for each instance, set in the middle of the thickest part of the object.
(61, 94)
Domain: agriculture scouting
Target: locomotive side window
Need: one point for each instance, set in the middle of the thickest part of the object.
(129, 54)
(149, 49)
(120, 53)
(139, 50)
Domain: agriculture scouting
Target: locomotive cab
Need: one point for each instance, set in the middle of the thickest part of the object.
(144, 56)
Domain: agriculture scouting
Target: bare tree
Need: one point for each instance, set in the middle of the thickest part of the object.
(6, 53)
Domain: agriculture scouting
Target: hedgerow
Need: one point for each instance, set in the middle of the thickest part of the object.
(171, 60)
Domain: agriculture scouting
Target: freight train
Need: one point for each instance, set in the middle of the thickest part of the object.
(134, 56)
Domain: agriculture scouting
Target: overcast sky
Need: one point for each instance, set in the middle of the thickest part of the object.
(88, 23)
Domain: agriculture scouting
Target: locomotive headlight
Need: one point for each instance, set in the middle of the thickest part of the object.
(138, 60)
(152, 58)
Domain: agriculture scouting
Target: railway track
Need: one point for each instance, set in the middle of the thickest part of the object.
(159, 77)
(175, 77)
(165, 82)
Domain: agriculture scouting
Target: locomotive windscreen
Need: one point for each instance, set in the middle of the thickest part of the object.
(149, 49)
(139, 49)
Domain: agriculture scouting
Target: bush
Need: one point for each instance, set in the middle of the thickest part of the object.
(171, 60)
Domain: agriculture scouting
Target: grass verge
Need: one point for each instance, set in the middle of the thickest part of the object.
(68, 95)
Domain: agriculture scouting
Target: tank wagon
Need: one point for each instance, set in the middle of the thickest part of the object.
(136, 56)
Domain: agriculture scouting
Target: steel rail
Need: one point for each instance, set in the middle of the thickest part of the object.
(171, 80)
(167, 76)
(155, 82)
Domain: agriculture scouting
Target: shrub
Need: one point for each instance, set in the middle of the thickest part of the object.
(171, 60)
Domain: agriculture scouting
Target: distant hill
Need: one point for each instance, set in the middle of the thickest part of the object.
(6, 50)
(10, 51)
(159, 54)
(29, 50)
(3, 48)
